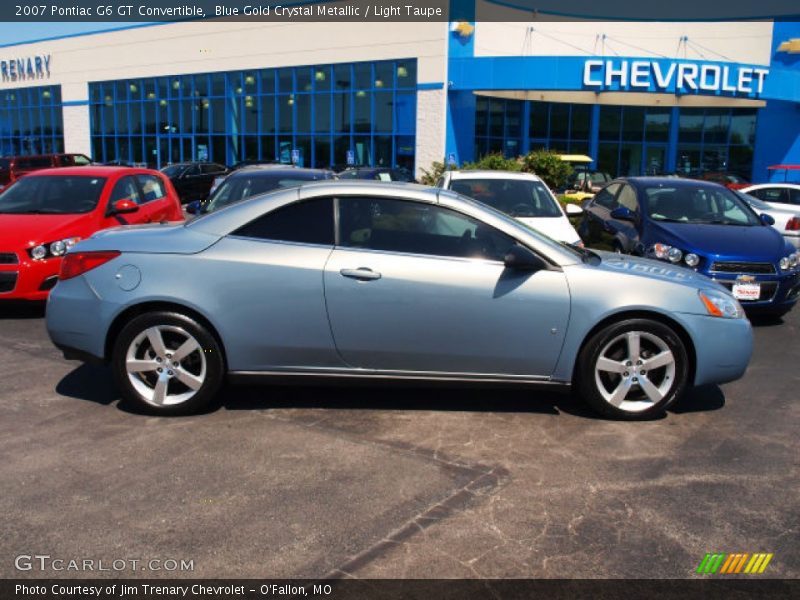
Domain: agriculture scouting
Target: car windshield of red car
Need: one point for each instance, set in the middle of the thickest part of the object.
(52, 195)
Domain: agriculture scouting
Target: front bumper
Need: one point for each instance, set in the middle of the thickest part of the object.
(779, 293)
(27, 279)
(723, 347)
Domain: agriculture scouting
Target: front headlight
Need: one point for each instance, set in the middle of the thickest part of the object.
(720, 304)
(669, 253)
(57, 248)
(787, 263)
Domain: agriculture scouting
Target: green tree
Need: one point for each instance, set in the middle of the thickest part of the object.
(547, 165)
(432, 176)
(493, 162)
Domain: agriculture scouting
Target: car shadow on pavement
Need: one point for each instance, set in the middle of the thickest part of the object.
(765, 320)
(15, 309)
(94, 383)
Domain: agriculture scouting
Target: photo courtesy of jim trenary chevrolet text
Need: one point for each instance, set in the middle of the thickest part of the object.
(406, 299)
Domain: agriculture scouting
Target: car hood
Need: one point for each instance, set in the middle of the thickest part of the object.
(651, 269)
(558, 228)
(722, 241)
(151, 238)
(25, 231)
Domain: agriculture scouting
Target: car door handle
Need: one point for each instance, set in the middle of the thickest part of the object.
(362, 274)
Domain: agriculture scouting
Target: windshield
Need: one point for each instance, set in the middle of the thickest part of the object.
(173, 170)
(519, 198)
(52, 195)
(235, 189)
(697, 205)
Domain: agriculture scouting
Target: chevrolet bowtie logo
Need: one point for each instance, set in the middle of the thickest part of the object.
(791, 46)
(463, 29)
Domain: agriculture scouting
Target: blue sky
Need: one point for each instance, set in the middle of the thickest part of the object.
(22, 32)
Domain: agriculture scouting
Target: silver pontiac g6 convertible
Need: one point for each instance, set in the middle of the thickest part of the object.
(390, 282)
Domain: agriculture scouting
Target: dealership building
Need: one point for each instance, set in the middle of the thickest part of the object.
(638, 98)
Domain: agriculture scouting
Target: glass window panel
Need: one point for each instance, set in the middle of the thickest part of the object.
(716, 126)
(202, 122)
(322, 113)
(150, 121)
(407, 74)
(657, 125)
(309, 222)
(285, 112)
(580, 118)
(362, 147)
(162, 87)
(341, 144)
(188, 108)
(302, 144)
(363, 75)
(688, 160)
(481, 117)
(218, 149)
(633, 124)
(250, 82)
(384, 75)
(174, 117)
(740, 160)
(322, 152)
(267, 81)
(267, 114)
(496, 109)
(250, 107)
(610, 122)
(217, 84)
(285, 80)
(690, 125)
(513, 118)
(363, 111)
(559, 121)
(608, 158)
(406, 113)
(343, 77)
(384, 111)
(217, 109)
(322, 78)
(539, 119)
(97, 149)
(383, 151)
(743, 126)
(122, 118)
(303, 76)
(303, 110)
(250, 147)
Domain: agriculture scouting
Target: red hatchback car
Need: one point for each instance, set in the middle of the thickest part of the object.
(46, 212)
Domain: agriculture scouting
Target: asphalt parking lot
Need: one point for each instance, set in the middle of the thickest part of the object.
(395, 482)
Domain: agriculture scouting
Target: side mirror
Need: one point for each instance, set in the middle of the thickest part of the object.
(573, 209)
(623, 213)
(767, 219)
(522, 259)
(194, 208)
(124, 206)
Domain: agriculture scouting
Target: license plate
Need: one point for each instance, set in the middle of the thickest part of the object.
(747, 291)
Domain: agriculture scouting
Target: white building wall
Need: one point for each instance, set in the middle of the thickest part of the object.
(746, 41)
(431, 127)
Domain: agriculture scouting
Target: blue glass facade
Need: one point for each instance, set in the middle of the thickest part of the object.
(317, 116)
(624, 140)
(31, 121)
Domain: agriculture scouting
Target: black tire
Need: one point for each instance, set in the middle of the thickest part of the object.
(203, 367)
(638, 404)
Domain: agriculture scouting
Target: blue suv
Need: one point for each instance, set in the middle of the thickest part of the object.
(701, 226)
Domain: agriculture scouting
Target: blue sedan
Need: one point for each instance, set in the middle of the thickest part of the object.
(701, 226)
(387, 282)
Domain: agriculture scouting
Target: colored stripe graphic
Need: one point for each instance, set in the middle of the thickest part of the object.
(729, 564)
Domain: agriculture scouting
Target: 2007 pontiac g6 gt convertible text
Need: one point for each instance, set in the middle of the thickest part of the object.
(387, 281)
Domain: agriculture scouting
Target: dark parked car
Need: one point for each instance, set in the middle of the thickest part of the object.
(701, 226)
(251, 181)
(192, 180)
(14, 167)
(377, 174)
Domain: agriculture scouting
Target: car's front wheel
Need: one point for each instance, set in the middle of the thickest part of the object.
(167, 363)
(633, 369)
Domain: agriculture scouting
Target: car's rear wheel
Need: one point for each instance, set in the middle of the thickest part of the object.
(167, 363)
(633, 369)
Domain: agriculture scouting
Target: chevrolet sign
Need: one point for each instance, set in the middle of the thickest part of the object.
(678, 77)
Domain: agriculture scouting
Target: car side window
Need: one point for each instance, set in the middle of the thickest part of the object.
(192, 170)
(627, 198)
(305, 222)
(210, 169)
(607, 196)
(794, 196)
(772, 194)
(125, 189)
(152, 187)
(417, 228)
